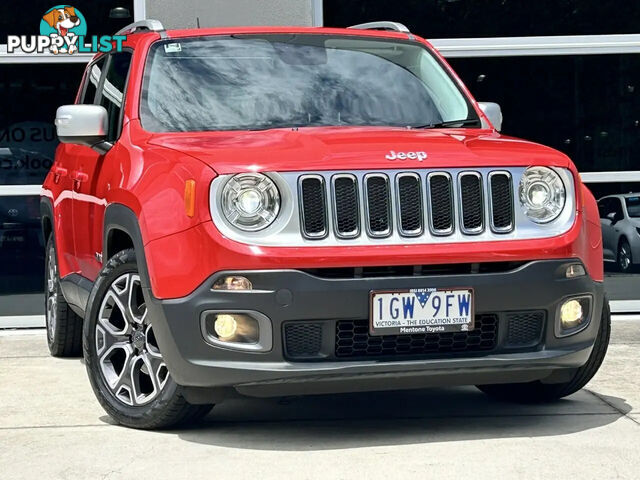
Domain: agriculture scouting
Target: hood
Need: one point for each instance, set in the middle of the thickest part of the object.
(356, 148)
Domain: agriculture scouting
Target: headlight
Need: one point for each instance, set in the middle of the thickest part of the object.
(250, 201)
(542, 194)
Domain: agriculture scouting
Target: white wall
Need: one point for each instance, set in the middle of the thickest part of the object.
(217, 13)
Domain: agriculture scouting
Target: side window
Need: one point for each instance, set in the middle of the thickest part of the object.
(604, 207)
(111, 94)
(92, 81)
(617, 208)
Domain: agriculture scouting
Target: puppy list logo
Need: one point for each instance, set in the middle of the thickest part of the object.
(63, 29)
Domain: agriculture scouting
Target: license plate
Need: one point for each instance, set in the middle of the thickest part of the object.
(421, 310)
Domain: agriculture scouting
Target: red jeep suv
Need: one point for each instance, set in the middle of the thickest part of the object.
(285, 211)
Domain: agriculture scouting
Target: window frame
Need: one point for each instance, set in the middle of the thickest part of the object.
(87, 78)
(99, 90)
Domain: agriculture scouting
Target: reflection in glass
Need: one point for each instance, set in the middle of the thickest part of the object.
(585, 106)
(491, 18)
(29, 96)
(278, 81)
(619, 209)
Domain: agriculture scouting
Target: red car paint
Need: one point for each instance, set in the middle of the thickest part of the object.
(146, 172)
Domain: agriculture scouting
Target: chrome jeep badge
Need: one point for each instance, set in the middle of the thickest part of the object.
(420, 156)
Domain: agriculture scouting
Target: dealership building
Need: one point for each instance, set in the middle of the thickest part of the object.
(566, 73)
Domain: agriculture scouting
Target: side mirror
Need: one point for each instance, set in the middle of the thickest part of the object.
(493, 113)
(84, 125)
(613, 216)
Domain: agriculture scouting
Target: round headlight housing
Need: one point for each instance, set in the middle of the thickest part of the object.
(542, 194)
(250, 201)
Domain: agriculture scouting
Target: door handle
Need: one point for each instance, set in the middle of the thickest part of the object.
(78, 178)
(58, 172)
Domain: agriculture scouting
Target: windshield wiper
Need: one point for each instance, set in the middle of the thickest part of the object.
(448, 123)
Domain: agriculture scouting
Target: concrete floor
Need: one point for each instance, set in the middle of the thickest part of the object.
(51, 427)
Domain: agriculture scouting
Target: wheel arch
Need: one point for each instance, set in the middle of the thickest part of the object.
(122, 231)
(46, 217)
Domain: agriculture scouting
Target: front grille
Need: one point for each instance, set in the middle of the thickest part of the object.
(378, 205)
(353, 340)
(345, 198)
(524, 329)
(471, 202)
(313, 207)
(392, 204)
(302, 340)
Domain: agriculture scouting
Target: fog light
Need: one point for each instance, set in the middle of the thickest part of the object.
(575, 270)
(225, 326)
(571, 314)
(232, 283)
(238, 328)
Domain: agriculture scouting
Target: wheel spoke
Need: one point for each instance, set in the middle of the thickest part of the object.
(116, 364)
(105, 339)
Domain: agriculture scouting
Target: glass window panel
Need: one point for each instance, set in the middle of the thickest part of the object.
(586, 106)
(92, 80)
(620, 237)
(112, 91)
(491, 18)
(21, 246)
(29, 97)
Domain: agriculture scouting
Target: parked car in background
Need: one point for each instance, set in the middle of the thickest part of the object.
(620, 220)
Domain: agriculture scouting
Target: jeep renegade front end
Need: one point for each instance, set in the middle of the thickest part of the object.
(284, 211)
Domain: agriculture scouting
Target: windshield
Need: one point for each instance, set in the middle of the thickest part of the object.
(633, 206)
(270, 81)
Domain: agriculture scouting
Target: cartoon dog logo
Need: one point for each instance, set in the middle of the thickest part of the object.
(59, 22)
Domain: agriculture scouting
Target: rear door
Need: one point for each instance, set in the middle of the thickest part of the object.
(88, 209)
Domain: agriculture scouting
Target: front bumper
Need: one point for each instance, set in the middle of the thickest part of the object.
(289, 297)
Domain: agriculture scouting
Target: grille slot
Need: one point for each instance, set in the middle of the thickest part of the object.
(441, 202)
(410, 201)
(353, 340)
(302, 340)
(314, 207)
(501, 204)
(378, 202)
(345, 201)
(524, 329)
(471, 203)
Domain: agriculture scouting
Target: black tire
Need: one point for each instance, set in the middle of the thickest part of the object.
(538, 392)
(167, 407)
(64, 327)
(624, 257)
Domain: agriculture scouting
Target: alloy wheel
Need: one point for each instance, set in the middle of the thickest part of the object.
(624, 257)
(52, 293)
(128, 355)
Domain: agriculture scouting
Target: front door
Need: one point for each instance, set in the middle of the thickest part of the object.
(88, 208)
